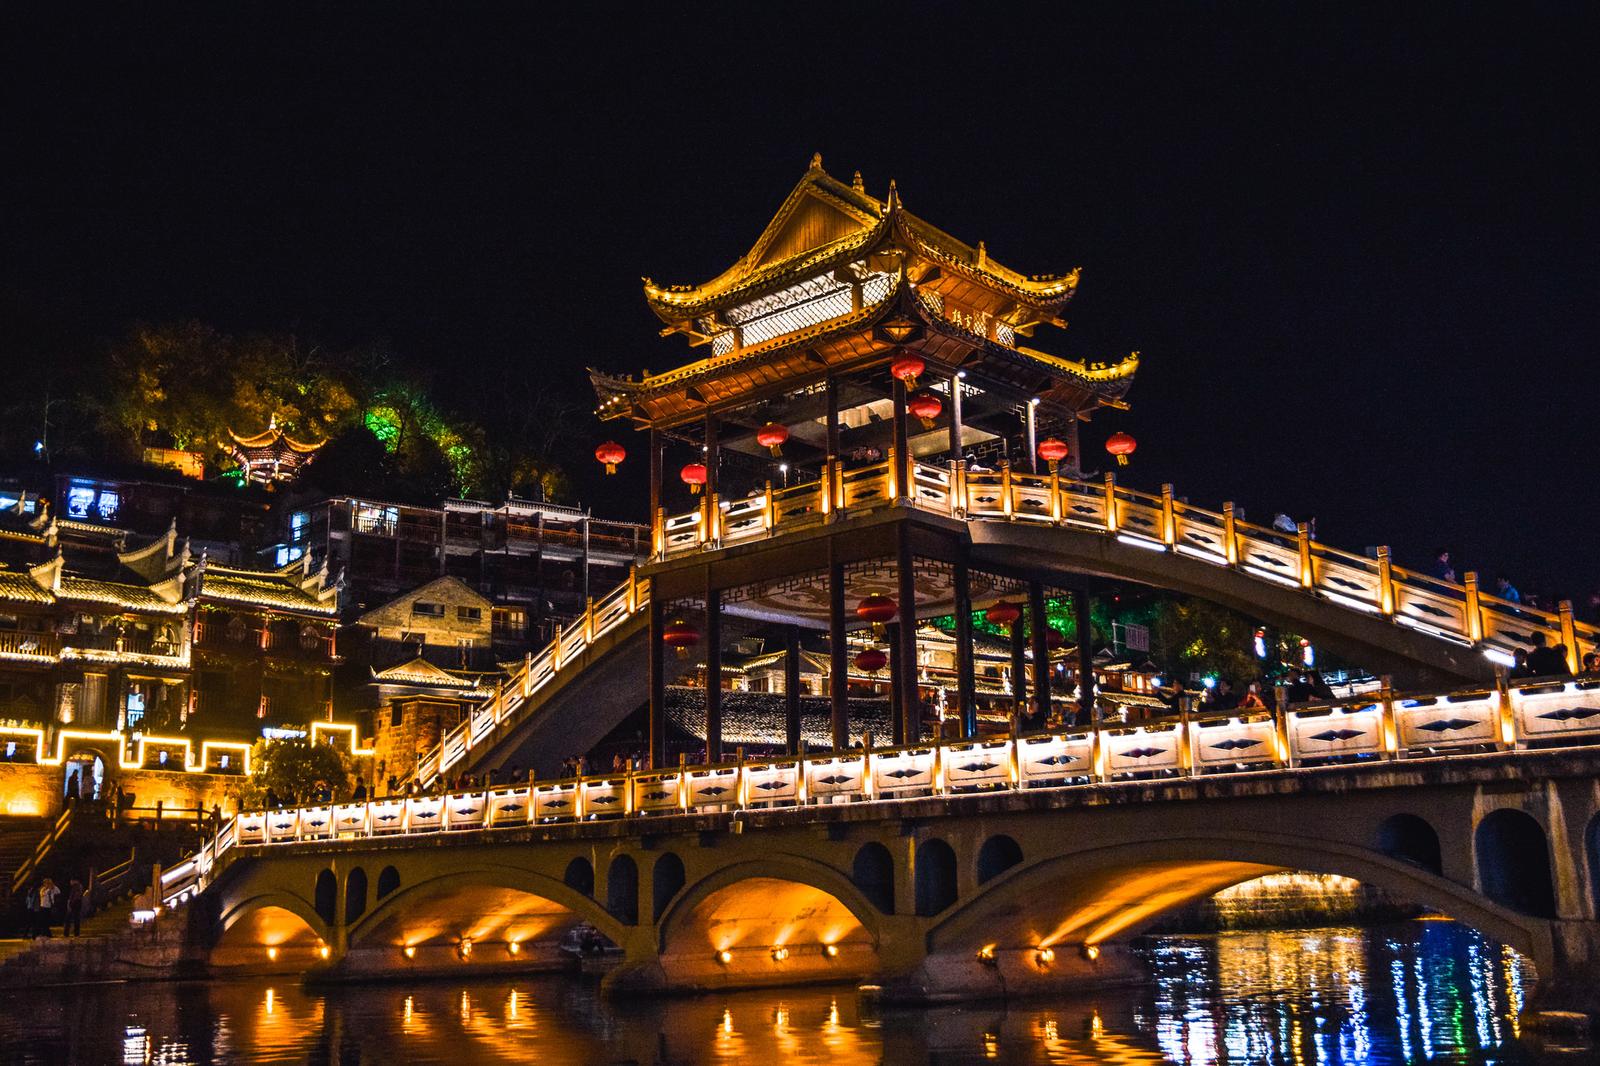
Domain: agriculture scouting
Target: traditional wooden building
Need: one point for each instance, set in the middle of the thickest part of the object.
(272, 456)
(264, 646)
(855, 358)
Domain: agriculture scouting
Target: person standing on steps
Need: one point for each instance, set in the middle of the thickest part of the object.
(72, 925)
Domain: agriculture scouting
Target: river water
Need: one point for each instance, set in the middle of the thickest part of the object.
(1415, 992)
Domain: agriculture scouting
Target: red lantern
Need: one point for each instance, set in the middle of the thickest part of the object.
(1053, 638)
(871, 661)
(906, 368)
(1052, 450)
(680, 636)
(610, 453)
(877, 610)
(1002, 614)
(772, 436)
(694, 475)
(926, 406)
(1121, 445)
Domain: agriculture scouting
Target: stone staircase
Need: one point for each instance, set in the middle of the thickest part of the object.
(19, 837)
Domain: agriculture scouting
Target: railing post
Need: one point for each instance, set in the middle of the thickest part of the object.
(1474, 607)
(1007, 505)
(1390, 724)
(588, 620)
(555, 650)
(961, 480)
(1302, 537)
(1386, 603)
(683, 780)
(1185, 728)
(1016, 750)
(658, 533)
(1508, 717)
(527, 674)
(633, 589)
(891, 475)
(866, 765)
(1230, 534)
(1169, 517)
(952, 497)
(1569, 635)
(1056, 510)
(713, 518)
(1112, 524)
(769, 509)
(1280, 725)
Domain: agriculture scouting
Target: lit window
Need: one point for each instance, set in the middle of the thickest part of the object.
(297, 525)
(80, 498)
(109, 502)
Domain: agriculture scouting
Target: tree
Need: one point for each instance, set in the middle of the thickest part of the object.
(292, 769)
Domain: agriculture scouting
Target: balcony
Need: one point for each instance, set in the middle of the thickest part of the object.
(29, 645)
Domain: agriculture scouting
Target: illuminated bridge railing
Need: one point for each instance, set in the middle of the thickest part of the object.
(514, 698)
(1460, 613)
(1300, 740)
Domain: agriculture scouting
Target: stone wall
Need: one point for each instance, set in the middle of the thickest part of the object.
(399, 739)
(32, 789)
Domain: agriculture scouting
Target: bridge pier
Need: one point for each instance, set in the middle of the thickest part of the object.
(1569, 980)
(1011, 973)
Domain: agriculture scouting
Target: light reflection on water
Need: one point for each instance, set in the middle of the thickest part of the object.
(1411, 993)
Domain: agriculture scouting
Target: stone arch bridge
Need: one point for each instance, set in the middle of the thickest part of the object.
(934, 893)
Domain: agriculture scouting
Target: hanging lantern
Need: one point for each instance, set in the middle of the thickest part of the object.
(926, 406)
(680, 636)
(1121, 445)
(610, 453)
(1002, 614)
(877, 610)
(871, 661)
(906, 368)
(772, 436)
(694, 475)
(1052, 450)
(1053, 638)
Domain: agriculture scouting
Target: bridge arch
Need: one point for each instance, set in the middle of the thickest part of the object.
(935, 877)
(777, 900)
(1591, 839)
(355, 894)
(1513, 859)
(1413, 839)
(1101, 894)
(484, 903)
(872, 871)
(268, 928)
(997, 855)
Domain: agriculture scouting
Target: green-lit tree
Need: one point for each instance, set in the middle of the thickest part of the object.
(293, 769)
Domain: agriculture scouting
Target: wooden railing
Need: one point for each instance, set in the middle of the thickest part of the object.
(514, 698)
(38, 645)
(30, 865)
(1309, 739)
(1457, 612)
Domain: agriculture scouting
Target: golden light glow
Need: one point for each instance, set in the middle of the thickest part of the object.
(325, 951)
(410, 952)
(1046, 956)
(1091, 951)
(272, 954)
(724, 956)
(831, 950)
(347, 728)
(779, 954)
(464, 949)
(986, 954)
(513, 947)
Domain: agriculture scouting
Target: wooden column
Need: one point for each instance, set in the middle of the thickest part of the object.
(897, 684)
(1032, 434)
(1074, 450)
(910, 707)
(1041, 654)
(902, 443)
(966, 688)
(838, 658)
(1080, 607)
(658, 685)
(833, 418)
(791, 688)
(713, 672)
(711, 455)
(1019, 668)
(655, 473)
(955, 417)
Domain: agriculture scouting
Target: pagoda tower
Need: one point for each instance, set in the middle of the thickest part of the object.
(853, 334)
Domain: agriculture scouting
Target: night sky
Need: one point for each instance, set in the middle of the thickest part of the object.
(1357, 252)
